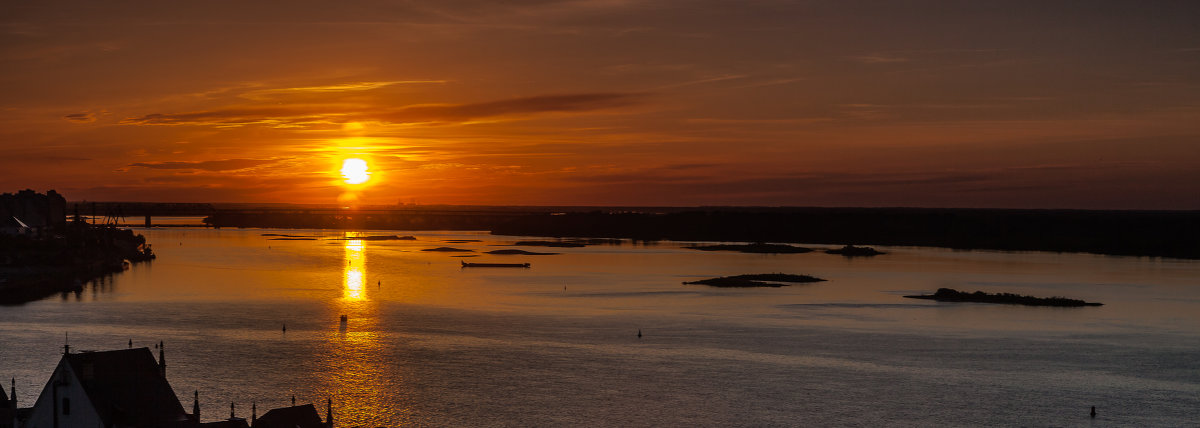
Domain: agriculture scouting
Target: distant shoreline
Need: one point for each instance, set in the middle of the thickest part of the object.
(1171, 234)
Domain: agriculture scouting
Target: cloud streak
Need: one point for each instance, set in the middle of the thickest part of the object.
(266, 94)
(316, 114)
(211, 165)
(85, 117)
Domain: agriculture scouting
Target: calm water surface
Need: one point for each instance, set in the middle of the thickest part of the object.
(431, 344)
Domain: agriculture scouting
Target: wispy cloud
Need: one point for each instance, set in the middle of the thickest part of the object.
(85, 117)
(262, 94)
(772, 82)
(788, 121)
(210, 165)
(879, 59)
(514, 106)
(704, 80)
(318, 114)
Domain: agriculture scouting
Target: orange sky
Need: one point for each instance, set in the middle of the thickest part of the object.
(607, 102)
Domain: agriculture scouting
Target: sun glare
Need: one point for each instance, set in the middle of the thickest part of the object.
(355, 171)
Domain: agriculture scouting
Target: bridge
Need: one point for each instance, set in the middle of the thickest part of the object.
(238, 215)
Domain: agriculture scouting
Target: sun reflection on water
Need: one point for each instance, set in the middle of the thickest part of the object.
(355, 272)
(356, 372)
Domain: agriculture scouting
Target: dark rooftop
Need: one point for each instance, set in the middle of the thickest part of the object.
(303, 416)
(228, 423)
(127, 387)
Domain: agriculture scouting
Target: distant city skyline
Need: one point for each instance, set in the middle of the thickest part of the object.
(1016, 104)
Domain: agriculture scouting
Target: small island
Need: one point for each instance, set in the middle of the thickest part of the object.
(952, 295)
(520, 252)
(757, 247)
(448, 250)
(756, 280)
(853, 251)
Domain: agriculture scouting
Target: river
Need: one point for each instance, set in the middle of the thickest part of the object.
(429, 343)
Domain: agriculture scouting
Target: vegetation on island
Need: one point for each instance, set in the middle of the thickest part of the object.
(952, 295)
(757, 247)
(756, 280)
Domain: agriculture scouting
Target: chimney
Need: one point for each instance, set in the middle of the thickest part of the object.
(196, 407)
(231, 416)
(162, 360)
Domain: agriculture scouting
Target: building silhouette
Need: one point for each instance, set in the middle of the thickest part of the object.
(127, 388)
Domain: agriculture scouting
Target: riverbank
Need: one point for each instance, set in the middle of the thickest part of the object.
(35, 268)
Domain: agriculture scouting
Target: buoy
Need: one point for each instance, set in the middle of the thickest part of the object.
(1093, 411)
(285, 328)
(639, 333)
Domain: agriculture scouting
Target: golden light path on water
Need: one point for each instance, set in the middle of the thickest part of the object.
(355, 272)
(355, 365)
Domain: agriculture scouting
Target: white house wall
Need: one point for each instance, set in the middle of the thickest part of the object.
(83, 414)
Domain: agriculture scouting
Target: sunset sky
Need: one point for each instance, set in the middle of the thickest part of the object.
(1011, 104)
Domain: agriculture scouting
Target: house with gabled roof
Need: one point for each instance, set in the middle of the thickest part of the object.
(128, 389)
(110, 389)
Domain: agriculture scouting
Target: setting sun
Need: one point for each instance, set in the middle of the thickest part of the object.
(355, 171)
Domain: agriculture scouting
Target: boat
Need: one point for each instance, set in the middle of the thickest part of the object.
(510, 265)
